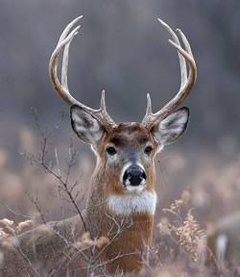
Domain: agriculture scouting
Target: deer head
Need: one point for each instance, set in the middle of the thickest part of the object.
(127, 150)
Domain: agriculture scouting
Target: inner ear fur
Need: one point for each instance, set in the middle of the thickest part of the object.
(172, 127)
(87, 128)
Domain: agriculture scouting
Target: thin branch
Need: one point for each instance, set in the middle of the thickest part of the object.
(42, 162)
(62, 182)
(116, 235)
(119, 256)
(35, 202)
(28, 261)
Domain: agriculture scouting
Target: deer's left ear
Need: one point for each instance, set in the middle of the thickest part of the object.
(172, 127)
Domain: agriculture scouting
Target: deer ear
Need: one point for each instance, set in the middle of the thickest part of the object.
(87, 128)
(172, 127)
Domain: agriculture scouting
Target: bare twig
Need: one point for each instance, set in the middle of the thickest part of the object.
(35, 201)
(60, 180)
(41, 161)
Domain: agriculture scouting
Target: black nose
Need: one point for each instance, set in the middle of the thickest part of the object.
(133, 176)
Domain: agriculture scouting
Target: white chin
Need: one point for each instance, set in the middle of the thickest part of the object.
(135, 189)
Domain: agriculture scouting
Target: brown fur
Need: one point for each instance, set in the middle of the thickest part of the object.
(139, 235)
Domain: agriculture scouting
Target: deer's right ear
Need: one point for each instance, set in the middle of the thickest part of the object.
(87, 128)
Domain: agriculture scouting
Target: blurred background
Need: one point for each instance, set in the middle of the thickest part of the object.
(122, 48)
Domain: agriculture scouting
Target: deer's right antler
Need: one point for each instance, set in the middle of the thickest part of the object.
(61, 87)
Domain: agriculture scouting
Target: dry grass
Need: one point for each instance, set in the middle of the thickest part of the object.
(184, 211)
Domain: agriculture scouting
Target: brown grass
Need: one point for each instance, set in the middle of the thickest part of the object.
(188, 201)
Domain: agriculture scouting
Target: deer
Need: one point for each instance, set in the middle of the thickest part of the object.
(123, 182)
(122, 187)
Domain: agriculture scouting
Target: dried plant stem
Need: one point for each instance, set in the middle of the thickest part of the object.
(60, 180)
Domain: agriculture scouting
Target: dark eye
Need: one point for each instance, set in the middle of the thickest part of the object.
(148, 150)
(111, 151)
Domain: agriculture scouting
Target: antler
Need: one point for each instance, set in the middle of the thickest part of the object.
(187, 80)
(62, 87)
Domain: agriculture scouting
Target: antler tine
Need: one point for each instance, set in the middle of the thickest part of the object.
(62, 87)
(149, 108)
(68, 28)
(103, 109)
(64, 79)
(187, 80)
(182, 62)
(66, 50)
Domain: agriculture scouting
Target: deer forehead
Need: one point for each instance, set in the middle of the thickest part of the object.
(130, 135)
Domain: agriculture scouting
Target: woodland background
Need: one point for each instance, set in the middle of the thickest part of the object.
(123, 49)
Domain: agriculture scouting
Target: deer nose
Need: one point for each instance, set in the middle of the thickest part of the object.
(134, 176)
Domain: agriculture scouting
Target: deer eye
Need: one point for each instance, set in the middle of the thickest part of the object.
(111, 151)
(148, 150)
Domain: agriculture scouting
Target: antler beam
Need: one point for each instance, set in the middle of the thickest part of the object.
(61, 87)
(187, 80)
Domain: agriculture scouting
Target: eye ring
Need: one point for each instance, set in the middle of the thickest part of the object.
(148, 150)
(111, 151)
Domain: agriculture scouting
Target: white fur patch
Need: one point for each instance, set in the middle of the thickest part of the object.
(221, 247)
(144, 202)
(135, 189)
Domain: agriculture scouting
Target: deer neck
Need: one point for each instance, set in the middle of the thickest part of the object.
(126, 218)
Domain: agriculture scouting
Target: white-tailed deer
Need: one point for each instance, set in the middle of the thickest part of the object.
(123, 183)
(122, 199)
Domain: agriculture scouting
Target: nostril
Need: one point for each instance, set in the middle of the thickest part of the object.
(125, 176)
(133, 176)
(143, 175)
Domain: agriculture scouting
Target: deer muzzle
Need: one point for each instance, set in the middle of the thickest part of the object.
(134, 176)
